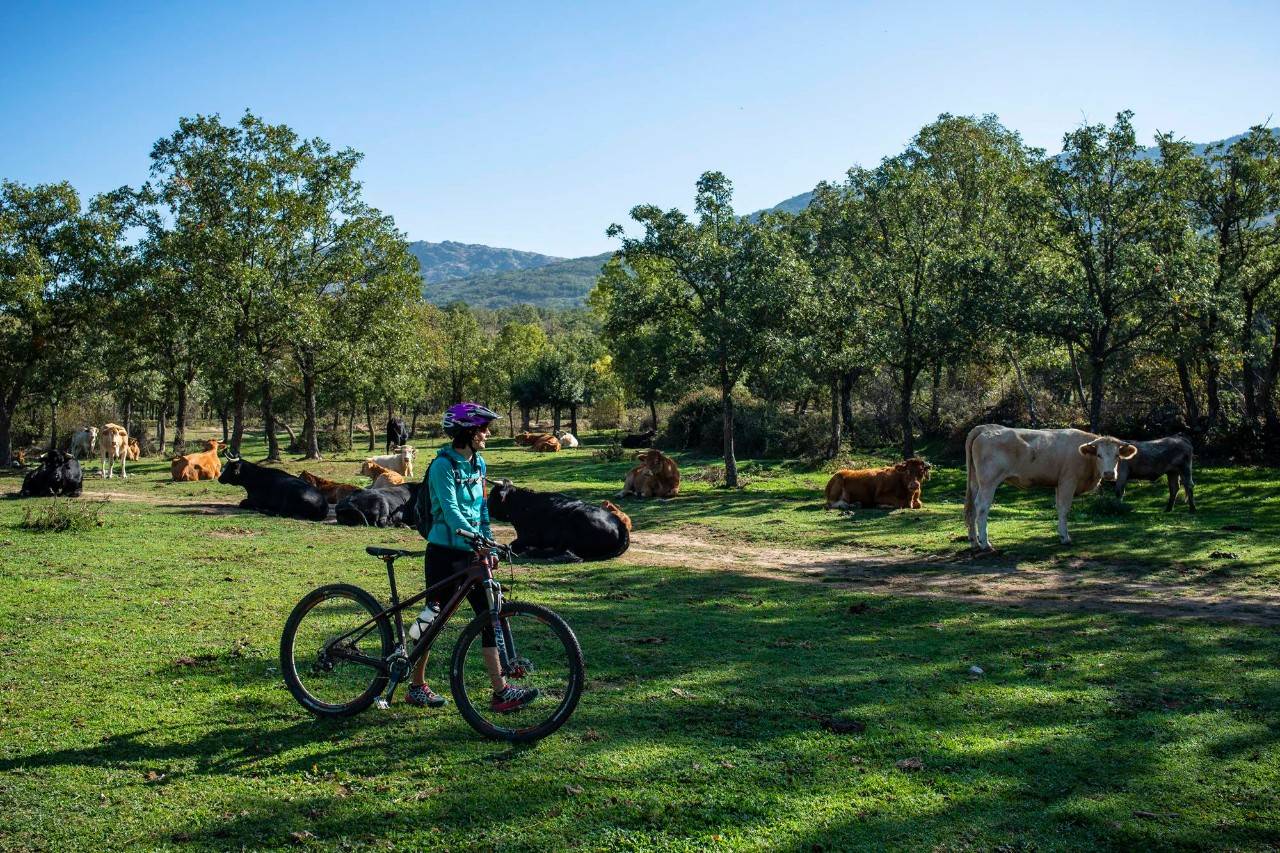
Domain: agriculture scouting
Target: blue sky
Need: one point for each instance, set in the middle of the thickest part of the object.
(535, 125)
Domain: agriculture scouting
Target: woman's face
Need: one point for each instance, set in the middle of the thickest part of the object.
(479, 438)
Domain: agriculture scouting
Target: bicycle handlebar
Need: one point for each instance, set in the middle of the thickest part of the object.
(477, 542)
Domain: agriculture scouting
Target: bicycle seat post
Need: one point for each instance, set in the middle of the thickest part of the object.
(390, 560)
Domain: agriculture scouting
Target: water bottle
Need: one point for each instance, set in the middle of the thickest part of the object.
(425, 618)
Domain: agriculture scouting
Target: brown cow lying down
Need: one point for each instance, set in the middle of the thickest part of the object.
(372, 469)
(528, 439)
(204, 465)
(546, 444)
(657, 476)
(892, 487)
(332, 491)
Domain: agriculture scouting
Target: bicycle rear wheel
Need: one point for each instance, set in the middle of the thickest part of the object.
(317, 642)
(550, 661)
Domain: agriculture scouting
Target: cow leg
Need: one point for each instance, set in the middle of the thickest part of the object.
(1173, 490)
(1066, 491)
(982, 501)
(124, 474)
(1121, 479)
(1189, 486)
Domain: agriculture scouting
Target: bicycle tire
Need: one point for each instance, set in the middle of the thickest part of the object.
(574, 677)
(297, 683)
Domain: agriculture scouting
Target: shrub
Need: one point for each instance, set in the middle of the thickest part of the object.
(608, 413)
(63, 514)
(759, 429)
(334, 441)
(1107, 505)
(609, 453)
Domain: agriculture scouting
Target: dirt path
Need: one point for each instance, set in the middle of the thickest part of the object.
(986, 580)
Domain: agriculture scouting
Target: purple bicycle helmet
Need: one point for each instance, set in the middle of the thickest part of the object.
(462, 416)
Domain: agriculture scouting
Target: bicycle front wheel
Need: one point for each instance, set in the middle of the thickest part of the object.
(549, 660)
(329, 656)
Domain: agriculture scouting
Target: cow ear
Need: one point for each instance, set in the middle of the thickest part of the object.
(1128, 451)
(1090, 449)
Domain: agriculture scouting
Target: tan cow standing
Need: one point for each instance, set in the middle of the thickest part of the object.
(1070, 460)
(115, 445)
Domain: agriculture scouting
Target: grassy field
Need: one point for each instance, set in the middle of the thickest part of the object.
(141, 703)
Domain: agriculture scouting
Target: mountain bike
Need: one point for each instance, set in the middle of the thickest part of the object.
(342, 651)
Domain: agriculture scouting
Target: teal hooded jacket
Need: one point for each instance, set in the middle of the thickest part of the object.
(458, 500)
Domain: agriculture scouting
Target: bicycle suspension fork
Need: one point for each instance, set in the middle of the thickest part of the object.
(502, 639)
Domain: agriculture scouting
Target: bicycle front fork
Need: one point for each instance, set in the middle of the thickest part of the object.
(502, 638)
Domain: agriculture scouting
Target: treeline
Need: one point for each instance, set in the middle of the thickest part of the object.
(247, 277)
(1118, 291)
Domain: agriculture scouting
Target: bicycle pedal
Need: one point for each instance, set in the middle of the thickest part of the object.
(381, 704)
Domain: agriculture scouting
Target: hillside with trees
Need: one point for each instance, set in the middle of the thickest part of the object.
(563, 284)
(449, 260)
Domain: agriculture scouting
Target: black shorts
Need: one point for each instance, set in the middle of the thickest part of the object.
(441, 562)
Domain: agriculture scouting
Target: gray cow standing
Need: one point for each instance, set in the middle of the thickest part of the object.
(1169, 456)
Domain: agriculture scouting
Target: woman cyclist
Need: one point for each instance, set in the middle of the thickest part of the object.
(457, 481)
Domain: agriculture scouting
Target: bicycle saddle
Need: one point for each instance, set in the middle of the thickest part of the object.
(394, 553)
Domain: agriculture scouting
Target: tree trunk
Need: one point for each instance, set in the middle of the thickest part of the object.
(180, 421)
(368, 417)
(128, 423)
(310, 435)
(293, 436)
(909, 375)
(833, 449)
(269, 422)
(847, 380)
(238, 394)
(524, 417)
(53, 424)
(555, 419)
(1075, 370)
(6, 435)
(653, 412)
(413, 424)
(351, 425)
(726, 408)
(162, 421)
(1022, 386)
(1189, 401)
(573, 419)
(1097, 366)
(222, 417)
(1249, 372)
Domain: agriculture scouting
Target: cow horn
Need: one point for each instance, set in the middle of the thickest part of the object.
(232, 455)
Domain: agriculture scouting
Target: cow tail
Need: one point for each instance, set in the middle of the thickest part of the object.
(969, 485)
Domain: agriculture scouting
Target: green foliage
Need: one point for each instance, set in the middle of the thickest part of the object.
(759, 428)
(59, 515)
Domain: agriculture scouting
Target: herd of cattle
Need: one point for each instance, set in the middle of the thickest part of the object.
(1072, 462)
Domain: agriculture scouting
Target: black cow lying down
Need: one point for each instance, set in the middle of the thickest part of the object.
(1169, 456)
(640, 439)
(58, 475)
(274, 492)
(557, 527)
(380, 507)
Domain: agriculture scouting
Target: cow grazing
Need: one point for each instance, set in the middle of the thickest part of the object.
(205, 465)
(274, 492)
(1170, 456)
(546, 444)
(892, 487)
(640, 439)
(134, 450)
(1070, 460)
(114, 440)
(380, 507)
(372, 469)
(558, 527)
(332, 491)
(59, 474)
(84, 442)
(401, 461)
(657, 476)
(397, 434)
(568, 439)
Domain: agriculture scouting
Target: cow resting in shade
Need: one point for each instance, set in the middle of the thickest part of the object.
(59, 475)
(558, 527)
(333, 491)
(656, 476)
(380, 507)
(274, 492)
(892, 487)
(1071, 461)
(205, 465)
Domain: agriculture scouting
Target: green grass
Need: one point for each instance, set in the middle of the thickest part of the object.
(141, 703)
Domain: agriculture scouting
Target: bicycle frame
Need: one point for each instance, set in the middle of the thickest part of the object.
(478, 572)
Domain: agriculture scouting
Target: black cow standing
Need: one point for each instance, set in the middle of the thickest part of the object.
(557, 527)
(380, 507)
(1170, 457)
(58, 475)
(397, 434)
(641, 439)
(274, 492)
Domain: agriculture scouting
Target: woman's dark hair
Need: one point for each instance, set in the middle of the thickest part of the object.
(462, 438)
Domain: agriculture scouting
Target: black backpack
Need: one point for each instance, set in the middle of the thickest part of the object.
(425, 520)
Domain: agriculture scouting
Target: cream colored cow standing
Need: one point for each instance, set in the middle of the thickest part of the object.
(1070, 460)
(115, 445)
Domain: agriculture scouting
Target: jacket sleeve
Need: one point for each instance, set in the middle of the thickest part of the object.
(485, 529)
(445, 491)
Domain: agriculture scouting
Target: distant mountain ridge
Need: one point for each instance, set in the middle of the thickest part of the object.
(449, 260)
(492, 278)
